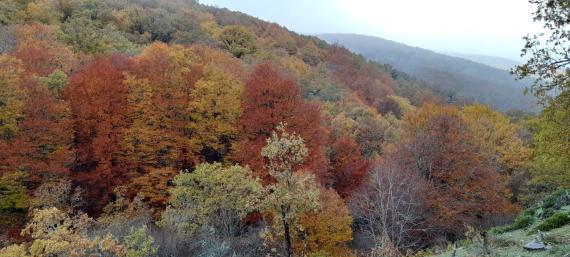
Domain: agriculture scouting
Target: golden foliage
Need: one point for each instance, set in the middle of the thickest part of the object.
(326, 230)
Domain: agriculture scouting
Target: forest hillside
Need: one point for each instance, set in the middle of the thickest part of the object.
(172, 128)
(458, 76)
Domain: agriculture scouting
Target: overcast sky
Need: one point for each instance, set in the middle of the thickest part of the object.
(488, 27)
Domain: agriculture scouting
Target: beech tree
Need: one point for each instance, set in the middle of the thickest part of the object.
(13, 195)
(437, 145)
(269, 99)
(44, 144)
(98, 96)
(214, 111)
(12, 96)
(171, 73)
(325, 231)
(147, 143)
(498, 138)
(152, 185)
(12, 103)
(349, 168)
(372, 86)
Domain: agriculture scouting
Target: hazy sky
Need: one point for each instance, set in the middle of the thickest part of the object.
(489, 27)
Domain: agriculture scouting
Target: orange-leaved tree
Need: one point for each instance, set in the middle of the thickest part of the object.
(327, 231)
(44, 144)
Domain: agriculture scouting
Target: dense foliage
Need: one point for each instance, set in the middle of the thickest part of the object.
(169, 128)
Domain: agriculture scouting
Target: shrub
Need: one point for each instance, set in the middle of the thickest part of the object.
(554, 202)
(522, 221)
(546, 213)
(557, 200)
(530, 211)
(139, 243)
(557, 220)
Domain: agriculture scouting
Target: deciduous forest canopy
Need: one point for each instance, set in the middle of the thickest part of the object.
(172, 128)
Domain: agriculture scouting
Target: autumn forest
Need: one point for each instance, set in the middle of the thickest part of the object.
(172, 128)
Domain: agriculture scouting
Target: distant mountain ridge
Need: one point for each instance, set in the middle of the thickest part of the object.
(493, 61)
(469, 79)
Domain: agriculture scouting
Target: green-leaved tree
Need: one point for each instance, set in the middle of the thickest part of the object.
(212, 196)
(293, 193)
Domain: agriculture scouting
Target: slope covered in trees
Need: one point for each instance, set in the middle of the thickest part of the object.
(169, 128)
(458, 78)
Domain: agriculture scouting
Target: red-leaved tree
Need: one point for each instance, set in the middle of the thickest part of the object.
(270, 98)
(348, 166)
(98, 97)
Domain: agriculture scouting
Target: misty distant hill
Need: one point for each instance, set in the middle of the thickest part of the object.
(468, 79)
(493, 61)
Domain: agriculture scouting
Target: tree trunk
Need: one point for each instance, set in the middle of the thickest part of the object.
(486, 243)
(287, 234)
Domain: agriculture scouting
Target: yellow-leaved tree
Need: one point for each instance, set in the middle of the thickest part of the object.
(325, 232)
(497, 136)
(214, 111)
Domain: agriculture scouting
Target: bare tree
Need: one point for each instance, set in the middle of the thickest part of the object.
(390, 207)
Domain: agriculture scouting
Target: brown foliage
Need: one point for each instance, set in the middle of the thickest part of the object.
(465, 188)
(154, 187)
